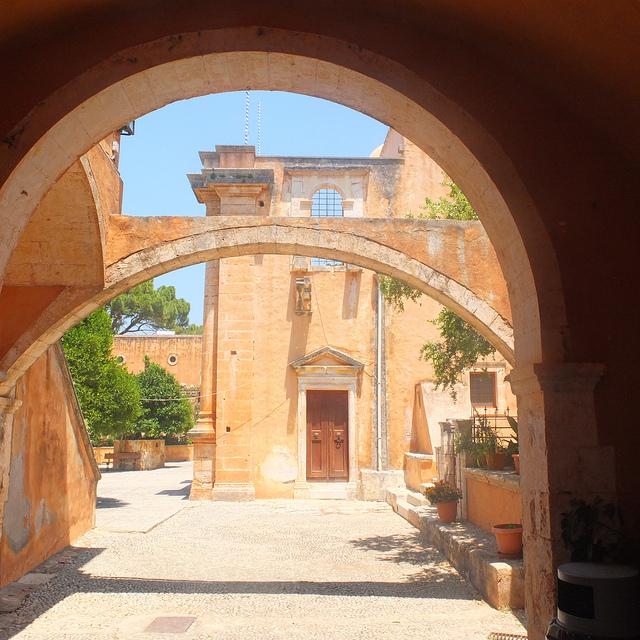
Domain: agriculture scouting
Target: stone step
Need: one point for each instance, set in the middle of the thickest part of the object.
(416, 499)
(469, 549)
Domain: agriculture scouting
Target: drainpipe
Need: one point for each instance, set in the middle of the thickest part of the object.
(379, 374)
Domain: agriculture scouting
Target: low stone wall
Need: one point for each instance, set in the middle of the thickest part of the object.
(492, 497)
(173, 453)
(418, 469)
(468, 548)
(178, 452)
(152, 454)
(374, 484)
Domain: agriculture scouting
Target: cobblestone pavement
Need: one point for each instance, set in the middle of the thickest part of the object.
(266, 569)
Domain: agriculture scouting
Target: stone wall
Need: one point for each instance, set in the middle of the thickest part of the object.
(185, 366)
(53, 476)
(178, 452)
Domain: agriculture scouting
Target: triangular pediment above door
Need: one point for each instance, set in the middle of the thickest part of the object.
(329, 358)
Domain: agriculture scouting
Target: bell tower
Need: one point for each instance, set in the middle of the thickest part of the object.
(228, 185)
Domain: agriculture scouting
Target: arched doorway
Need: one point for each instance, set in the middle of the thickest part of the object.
(462, 145)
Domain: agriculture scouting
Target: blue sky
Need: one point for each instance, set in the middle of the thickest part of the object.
(154, 162)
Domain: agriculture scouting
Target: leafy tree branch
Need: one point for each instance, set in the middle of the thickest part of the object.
(460, 347)
(108, 394)
(145, 308)
(166, 409)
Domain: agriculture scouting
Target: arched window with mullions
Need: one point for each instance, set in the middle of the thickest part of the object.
(326, 203)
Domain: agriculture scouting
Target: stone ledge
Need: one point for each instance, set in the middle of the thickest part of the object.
(470, 550)
(416, 500)
(419, 456)
(508, 480)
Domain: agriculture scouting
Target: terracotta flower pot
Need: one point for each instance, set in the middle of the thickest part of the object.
(447, 511)
(471, 460)
(509, 539)
(516, 462)
(496, 460)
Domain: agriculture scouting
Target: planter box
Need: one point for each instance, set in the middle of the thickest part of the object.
(152, 455)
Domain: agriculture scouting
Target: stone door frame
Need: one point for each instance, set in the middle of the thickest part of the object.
(345, 382)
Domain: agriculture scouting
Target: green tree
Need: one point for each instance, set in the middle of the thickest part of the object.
(397, 292)
(166, 410)
(454, 206)
(145, 308)
(108, 394)
(191, 330)
(461, 346)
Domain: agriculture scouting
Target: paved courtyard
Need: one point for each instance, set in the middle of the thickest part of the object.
(265, 569)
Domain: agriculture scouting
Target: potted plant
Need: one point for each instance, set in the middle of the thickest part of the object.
(494, 454)
(514, 444)
(592, 531)
(445, 497)
(509, 539)
(463, 444)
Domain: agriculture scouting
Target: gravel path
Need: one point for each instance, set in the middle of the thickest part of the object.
(266, 569)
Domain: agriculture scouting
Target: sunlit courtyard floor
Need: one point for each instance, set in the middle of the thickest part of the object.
(264, 569)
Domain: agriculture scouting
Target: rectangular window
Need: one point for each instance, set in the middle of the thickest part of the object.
(482, 385)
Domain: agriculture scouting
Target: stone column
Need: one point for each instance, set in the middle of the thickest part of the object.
(561, 459)
(234, 465)
(204, 432)
(8, 406)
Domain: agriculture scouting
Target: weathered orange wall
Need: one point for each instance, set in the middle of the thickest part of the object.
(53, 477)
(159, 348)
(30, 301)
(405, 333)
(493, 498)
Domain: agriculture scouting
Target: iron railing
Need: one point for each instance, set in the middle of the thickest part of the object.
(488, 427)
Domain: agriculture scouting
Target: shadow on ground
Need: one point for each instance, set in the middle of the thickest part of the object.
(411, 549)
(67, 562)
(109, 503)
(183, 491)
(434, 581)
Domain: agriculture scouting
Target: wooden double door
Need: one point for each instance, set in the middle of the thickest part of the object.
(327, 435)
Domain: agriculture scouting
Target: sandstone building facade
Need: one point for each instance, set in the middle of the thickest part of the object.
(313, 384)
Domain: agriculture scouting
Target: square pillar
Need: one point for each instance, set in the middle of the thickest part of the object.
(561, 459)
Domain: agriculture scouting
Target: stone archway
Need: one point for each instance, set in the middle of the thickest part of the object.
(157, 246)
(238, 64)
(139, 93)
(145, 74)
